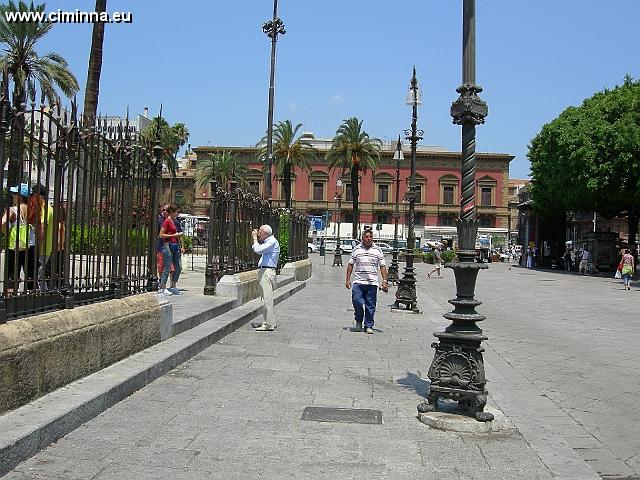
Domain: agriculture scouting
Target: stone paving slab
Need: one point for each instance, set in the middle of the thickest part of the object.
(32, 427)
(234, 410)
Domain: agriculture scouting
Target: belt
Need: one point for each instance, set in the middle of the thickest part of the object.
(268, 267)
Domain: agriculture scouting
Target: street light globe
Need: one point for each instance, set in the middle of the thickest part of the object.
(339, 183)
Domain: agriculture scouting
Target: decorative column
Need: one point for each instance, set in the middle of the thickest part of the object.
(406, 293)
(392, 275)
(210, 274)
(457, 369)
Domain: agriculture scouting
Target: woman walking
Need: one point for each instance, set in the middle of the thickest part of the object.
(627, 268)
(170, 251)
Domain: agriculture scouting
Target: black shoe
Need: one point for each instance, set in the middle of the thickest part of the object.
(358, 327)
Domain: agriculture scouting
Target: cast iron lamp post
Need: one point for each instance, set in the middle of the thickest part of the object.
(457, 369)
(406, 293)
(337, 257)
(272, 29)
(392, 276)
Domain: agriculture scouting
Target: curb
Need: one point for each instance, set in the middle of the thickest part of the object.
(30, 428)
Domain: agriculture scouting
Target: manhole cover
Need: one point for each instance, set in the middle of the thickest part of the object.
(342, 415)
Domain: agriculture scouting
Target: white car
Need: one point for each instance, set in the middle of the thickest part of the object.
(311, 248)
(384, 246)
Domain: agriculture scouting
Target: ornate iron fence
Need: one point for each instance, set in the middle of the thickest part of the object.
(233, 214)
(79, 206)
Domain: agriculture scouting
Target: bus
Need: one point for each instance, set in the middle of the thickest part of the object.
(196, 227)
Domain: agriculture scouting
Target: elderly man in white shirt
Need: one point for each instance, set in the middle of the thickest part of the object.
(266, 245)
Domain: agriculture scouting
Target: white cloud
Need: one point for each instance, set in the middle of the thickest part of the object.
(336, 98)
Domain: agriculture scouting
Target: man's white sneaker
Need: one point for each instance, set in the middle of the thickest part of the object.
(265, 327)
(167, 292)
(368, 330)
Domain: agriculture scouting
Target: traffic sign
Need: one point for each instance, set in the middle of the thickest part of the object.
(316, 222)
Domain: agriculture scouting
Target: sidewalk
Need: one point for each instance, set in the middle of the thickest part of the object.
(234, 410)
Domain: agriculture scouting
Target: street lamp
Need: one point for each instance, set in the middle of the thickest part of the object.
(272, 29)
(392, 276)
(457, 369)
(337, 257)
(406, 293)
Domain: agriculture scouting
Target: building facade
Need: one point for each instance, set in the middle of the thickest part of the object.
(438, 174)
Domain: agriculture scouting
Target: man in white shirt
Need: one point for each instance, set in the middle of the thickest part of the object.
(266, 245)
(584, 260)
(366, 259)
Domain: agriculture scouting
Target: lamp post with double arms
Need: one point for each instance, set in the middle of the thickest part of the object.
(272, 29)
(406, 293)
(337, 257)
(457, 370)
(392, 275)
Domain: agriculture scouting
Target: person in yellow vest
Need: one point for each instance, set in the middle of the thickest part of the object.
(14, 224)
(41, 217)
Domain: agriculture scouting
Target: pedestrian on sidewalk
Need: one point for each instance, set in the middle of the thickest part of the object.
(627, 268)
(584, 261)
(437, 262)
(530, 257)
(170, 251)
(266, 245)
(366, 259)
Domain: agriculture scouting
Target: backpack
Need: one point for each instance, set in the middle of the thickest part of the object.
(19, 234)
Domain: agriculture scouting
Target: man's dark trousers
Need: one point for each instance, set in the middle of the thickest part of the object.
(364, 299)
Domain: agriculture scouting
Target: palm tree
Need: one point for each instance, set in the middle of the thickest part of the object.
(221, 167)
(180, 134)
(27, 70)
(95, 67)
(158, 128)
(289, 153)
(353, 149)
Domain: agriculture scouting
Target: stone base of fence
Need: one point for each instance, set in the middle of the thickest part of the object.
(41, 353)
(243, 286)
(300, 270)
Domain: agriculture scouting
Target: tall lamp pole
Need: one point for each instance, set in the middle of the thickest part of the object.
(272, 29)
(457, 370)
(392, 276)
(337, 257)
(406, 293)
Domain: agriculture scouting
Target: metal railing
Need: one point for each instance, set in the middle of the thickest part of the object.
(233, 214)
(78, 210)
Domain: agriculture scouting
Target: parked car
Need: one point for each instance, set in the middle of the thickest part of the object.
(384, 246)
(346, 245)
(311, 248)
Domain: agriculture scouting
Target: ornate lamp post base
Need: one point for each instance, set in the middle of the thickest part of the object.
(337, 258)
(457, 369)
(406, 293)
(392, 273)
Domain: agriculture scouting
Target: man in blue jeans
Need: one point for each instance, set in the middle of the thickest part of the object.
(366, 259)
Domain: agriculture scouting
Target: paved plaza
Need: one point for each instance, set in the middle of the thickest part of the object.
(559, 362)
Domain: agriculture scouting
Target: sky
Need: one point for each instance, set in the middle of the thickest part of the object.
(207, 61)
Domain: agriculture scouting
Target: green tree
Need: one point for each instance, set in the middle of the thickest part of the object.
(27, 70)
(289, 152)
(172, 138)
(589, 157)
(221, 167)
(352, 149)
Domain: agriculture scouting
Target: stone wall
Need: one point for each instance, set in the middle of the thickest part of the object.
(41, 353)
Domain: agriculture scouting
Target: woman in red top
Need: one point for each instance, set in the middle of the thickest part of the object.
(170, 251)
(627, 268)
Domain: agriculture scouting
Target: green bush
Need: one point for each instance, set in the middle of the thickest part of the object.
(448, 256)
(284, 237)
(99, 240)
(188, 243)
